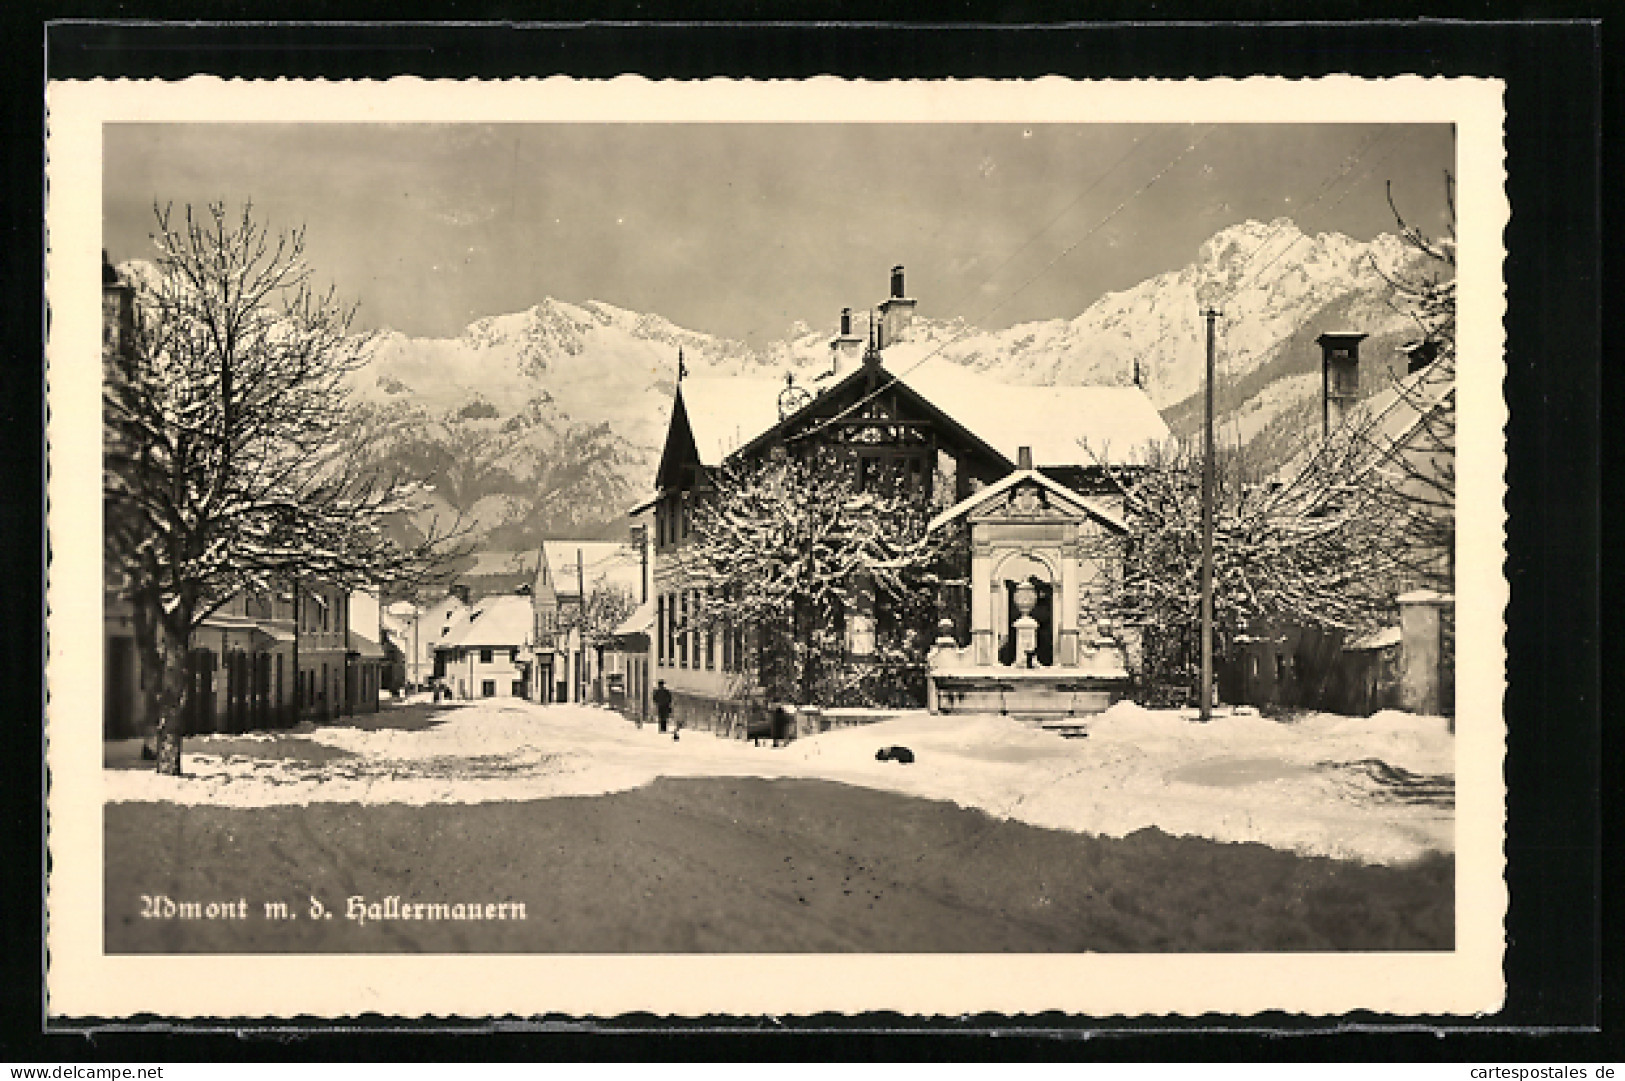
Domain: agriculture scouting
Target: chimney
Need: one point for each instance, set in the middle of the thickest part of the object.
(845, 346)
(1419, 355)
(1024, 457)
(896, 312)
(1339, 377)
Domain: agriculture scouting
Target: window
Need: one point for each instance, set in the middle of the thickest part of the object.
(1283, 668)
(485, 658)
(671, 629)
(682, 633)
(727, 649)
(488, 688)
(660, 630)
(710, 648)
(519, 688)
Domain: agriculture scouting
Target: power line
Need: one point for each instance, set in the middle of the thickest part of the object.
(1048, 225)
(1346, 193)
(871, 395)
(1325, 188)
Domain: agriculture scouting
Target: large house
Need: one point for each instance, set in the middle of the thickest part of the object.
(305, 652)
(895, 413)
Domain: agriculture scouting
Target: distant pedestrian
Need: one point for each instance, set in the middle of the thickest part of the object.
(662, 698)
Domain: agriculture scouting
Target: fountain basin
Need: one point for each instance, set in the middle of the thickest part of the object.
(1027, 693)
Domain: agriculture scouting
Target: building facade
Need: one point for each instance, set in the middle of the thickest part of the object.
(890, 412)
(487, 652)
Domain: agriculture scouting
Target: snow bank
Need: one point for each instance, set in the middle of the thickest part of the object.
(1376, 789)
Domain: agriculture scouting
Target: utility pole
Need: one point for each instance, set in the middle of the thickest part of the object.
(581, 631)
(1206, 690)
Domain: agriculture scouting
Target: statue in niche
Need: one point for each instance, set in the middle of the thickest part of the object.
(1033, 600)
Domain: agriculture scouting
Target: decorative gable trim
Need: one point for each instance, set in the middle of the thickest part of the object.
(1009, 497)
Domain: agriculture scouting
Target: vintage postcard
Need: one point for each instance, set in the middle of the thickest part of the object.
(568, 547)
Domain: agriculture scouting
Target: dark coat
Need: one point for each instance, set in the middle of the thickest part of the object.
(662, 699)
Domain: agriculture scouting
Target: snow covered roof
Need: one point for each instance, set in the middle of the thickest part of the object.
(274, 633)
(494, 621)
(1393, 414)
(641, 620)
(1378, 639)
(725, 414)
(1118, 423)
(366, 647)
(491, 564)
(1004, 484)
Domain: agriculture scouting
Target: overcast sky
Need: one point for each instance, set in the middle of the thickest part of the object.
(741, 230)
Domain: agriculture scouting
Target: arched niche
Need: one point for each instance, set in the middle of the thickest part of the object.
(1041, 571)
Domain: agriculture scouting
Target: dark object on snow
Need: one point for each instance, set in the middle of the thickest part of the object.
(894, 754)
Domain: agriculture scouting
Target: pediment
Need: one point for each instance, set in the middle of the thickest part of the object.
(1028, 501)
(1029, 496)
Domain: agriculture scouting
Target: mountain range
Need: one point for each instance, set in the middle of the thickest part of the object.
(549, 422)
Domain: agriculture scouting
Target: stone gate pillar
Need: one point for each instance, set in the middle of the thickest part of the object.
(1421, 673)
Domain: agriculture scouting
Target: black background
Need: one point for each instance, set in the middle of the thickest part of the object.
(1558, 762)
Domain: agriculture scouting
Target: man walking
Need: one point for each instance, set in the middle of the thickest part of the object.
(662, 699)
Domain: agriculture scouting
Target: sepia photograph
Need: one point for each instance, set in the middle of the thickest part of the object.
(676, 536)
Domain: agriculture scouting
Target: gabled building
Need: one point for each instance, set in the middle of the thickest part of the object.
(893, 413)
(486, 653)
(568, 572)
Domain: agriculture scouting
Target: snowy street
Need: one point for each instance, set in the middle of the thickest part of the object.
(1375, 790)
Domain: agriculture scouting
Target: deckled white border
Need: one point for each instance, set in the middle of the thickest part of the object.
(82, 982)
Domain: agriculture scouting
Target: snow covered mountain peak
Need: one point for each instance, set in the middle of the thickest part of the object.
(596, 375)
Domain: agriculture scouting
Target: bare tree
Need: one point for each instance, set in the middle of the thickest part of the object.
(229, 463)
(601, 613)
(1414, 463)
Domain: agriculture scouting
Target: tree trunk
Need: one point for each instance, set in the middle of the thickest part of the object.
(149, 662)
(173, 689)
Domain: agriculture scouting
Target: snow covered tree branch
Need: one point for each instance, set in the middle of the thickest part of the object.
(1300, 550)
(788, 549)
(230, 465)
